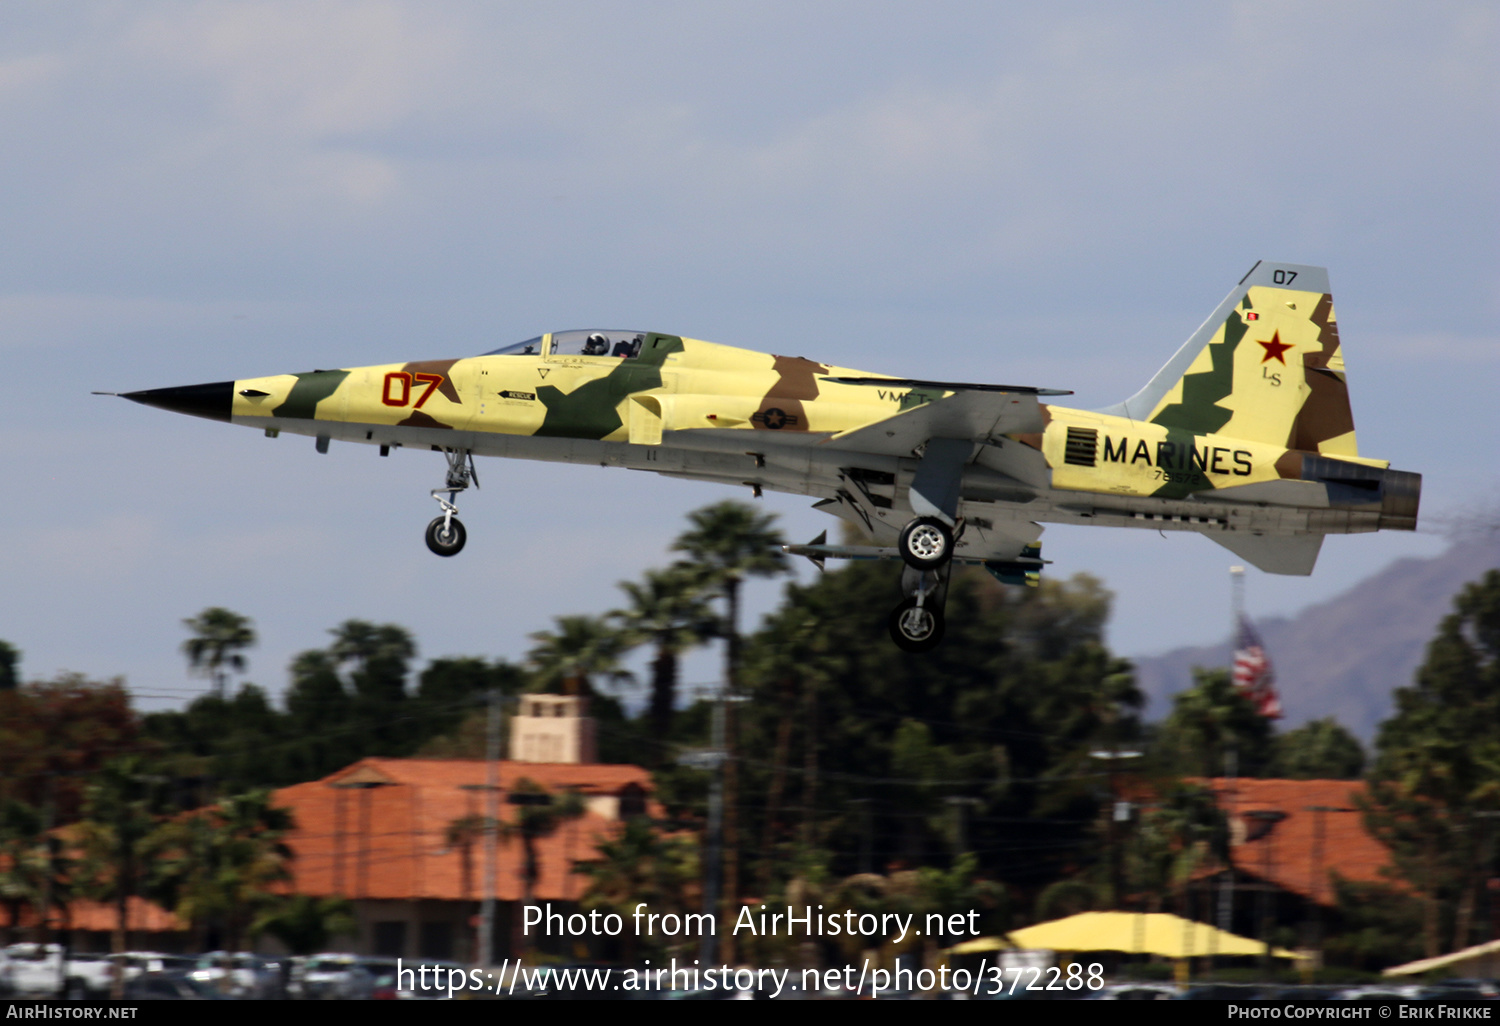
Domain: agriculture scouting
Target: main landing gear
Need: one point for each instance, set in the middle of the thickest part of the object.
(926, 543)
(926, 546)
(446, 534)
(917, 624)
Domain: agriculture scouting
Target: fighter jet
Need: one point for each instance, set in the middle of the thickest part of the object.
(1245, 436)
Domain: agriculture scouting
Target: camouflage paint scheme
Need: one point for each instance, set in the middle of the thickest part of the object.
(1245, 436)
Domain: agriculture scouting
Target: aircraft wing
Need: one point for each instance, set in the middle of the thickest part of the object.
(975, 412)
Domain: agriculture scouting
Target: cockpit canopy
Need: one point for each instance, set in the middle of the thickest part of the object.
(584, 342)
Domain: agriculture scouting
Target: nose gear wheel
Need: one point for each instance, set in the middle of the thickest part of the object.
(446, 535)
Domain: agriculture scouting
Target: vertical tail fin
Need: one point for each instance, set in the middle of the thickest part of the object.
(1266, 367)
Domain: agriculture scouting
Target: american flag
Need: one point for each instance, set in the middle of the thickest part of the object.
(1253, 674)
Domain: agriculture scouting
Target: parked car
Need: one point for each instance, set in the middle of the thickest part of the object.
(239, 974)
(388, 985)
(1136, 992)
(137, 963)
(331, 976)
(169, 985)
(37, 970)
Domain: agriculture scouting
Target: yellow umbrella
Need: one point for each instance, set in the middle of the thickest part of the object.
(979, 944)
(1156, 933)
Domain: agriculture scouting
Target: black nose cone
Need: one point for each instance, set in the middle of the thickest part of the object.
(214, 401)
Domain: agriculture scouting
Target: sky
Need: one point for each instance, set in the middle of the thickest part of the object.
(1053, 195)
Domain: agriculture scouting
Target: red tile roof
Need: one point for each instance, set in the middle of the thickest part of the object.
(1288, 855)
(387, 841)
(140, 916)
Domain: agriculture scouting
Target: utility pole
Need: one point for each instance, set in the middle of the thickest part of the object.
(1319, 880)
(1268, 818)
(486, 953)
(1119, 812)
(1231, 756)
(715, 867)
(1488, 856)
(958, 804)
(866, 833)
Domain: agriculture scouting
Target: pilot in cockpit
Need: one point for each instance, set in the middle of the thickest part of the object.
(596, 345)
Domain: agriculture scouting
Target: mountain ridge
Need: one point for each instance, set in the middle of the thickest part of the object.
(1343, 657)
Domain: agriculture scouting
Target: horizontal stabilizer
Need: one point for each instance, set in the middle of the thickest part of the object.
(1292, 554)
(979, 416)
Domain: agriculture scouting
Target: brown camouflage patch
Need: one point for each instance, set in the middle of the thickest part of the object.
(1328, 333)
(1289, 465)
(1035, 439)
(796, 382)
(1326, 412)
(437, 367)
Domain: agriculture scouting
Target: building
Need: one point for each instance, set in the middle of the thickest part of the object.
(1295, 834)
(1290, 841)
(402, 839)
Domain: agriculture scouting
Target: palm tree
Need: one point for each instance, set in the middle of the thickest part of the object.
(640, 865)
(117, 838)
(218, 636)
(219, 865)
(33, 869)
(1184, 831)
(668, 610)
(538, 815)
(379, 655)
(581, 647)
(728, 542)
(305, 923)
(463, 833)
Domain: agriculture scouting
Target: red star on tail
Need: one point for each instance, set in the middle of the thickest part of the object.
(1275, 348)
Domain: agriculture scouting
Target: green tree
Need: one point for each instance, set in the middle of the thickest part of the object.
(981, 745)
(1179, 833)
(726, 543)
(10, 667)
(1209, 720)
(378, 658)
(464, 833)
(217, 868)
(118, 838)
(55, 734)
(539, 813)
(320, 714)
(306, 923)
(1317, 750)
(582, 647)
(223, 744)
(642, 865)
(218, 637)
(35, 870)
(1435, 783)
(667, 610)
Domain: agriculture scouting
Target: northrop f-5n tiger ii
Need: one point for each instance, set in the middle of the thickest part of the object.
(1245, 436)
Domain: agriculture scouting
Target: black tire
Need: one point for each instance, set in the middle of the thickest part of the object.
(448, 542)
(926, 543)
(916, 630)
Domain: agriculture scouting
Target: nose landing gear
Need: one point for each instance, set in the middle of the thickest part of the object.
(446, 534)
(917, 624)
